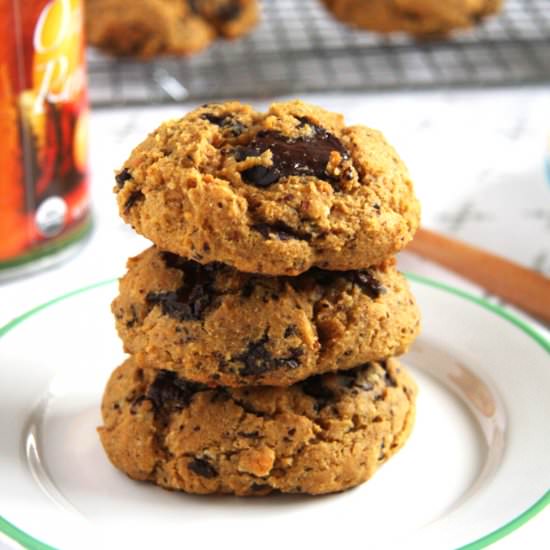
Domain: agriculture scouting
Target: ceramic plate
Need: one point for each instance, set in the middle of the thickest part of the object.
(476, 466)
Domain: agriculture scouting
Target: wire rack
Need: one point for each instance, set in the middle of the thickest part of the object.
(298, 47)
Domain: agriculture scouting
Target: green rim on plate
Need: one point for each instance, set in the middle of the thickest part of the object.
(27, 541)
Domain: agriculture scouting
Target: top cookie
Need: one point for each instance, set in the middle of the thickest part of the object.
(418, 17)
(145, 28)
(274, 193)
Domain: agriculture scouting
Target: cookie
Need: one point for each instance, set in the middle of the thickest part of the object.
(215, 325)
(274, 193)
(325, 434)
(417, 17)
(146, 28)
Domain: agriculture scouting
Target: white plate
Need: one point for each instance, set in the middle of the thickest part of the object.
(476, 467)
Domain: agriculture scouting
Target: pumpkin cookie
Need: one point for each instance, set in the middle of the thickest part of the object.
(273, 193)
(213, 324)
(325, 434)
(146, 28)
(418, 17)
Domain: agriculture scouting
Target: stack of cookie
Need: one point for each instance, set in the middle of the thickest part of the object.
(263, 324)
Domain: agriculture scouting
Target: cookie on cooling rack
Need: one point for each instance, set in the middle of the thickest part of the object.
(418, 17)
(273, 193)
(213, 324)
(325, 434)
(146, 28)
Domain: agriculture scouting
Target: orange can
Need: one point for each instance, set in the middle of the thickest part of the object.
(44, 188)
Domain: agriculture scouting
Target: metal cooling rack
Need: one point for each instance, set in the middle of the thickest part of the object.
(298, 47)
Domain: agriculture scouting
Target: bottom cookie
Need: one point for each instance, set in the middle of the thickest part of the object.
(328, 433)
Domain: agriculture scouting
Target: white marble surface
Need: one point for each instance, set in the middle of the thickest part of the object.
(476, 158)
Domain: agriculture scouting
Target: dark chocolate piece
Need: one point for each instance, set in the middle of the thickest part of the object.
(300, 156)
(122, 177)
(202, 468)
(280, 231)
(315, 388)
(168, 391)
(194, 297)
(257, 359)
(135, 197)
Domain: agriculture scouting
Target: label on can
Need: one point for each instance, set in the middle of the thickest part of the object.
(44, 195)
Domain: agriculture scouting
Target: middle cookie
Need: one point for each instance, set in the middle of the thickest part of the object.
(213, 324)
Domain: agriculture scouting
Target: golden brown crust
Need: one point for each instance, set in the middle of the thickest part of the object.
(274, 193)
(418, 17)
(326, 434)
(215, 325)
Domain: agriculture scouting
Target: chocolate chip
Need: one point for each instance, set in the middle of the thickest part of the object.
(364, 279)
(261, 176)
(300, 156)
(257, 359)
(353, 378)
(281, 231)
(226, 122)
(202, 468)
(291, 330)
(134, 319)
(168, 391)
(122, 177)
(214, 119)
(368, 283)
(249, 435)
(135, 197)
(136, 403)
(314, 387)
(190, 301)
(174, 261)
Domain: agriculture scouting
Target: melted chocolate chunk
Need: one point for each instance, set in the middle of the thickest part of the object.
(279, 230)
(174, 261)
(301, 156)
(368, 283)
(168, 391)
(202, 468)
(226, 121)
(315, 388)
(134, 198)
(190, 301)
(257, 358)
(122, 177)
(364, 279)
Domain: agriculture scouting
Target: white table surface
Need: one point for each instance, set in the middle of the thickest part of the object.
(476, 158)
